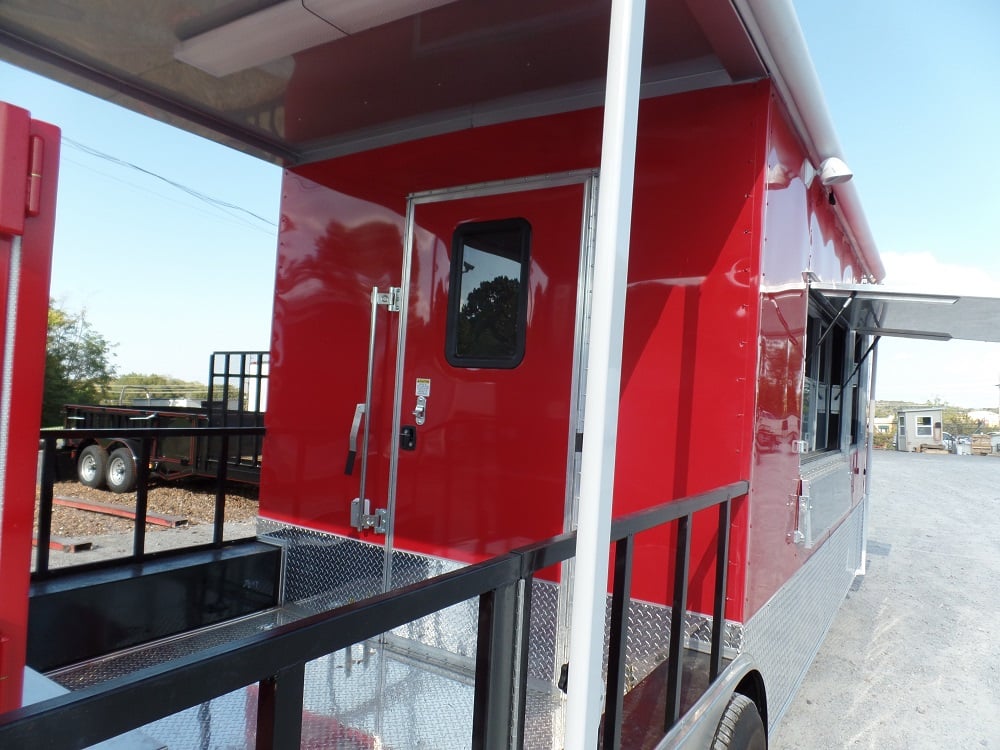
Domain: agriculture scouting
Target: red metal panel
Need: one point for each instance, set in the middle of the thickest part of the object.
(14, 136)
(333, 249)
(801, 233)
(23, 371)
(690, 353)
(689, 359)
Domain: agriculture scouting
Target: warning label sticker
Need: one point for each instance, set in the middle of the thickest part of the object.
(424, 387)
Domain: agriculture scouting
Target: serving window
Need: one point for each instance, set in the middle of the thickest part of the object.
(827, 357)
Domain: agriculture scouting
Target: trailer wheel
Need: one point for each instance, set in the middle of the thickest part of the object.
(121, 471)
(91, 466)
(741, 727)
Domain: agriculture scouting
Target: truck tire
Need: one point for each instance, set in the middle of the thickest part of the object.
(120, 474)
(741, 727)
(91, 466)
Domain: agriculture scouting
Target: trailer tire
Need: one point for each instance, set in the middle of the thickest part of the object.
(741, 727)
(121, 471)
(91, 466)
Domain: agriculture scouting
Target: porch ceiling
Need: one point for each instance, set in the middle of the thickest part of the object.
(338, 76)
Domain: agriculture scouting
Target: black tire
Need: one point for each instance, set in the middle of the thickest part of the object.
(91, 467)
(120, 474)
(741, 727)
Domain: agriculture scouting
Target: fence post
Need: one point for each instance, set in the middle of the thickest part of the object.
(220, 491)
(675, 663)
(279, 709)
(495, 673)
(141, 499)
(721, 577)
(618, 638)
(45, 506)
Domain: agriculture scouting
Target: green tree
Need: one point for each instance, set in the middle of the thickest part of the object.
(487, 322)
(78, 364)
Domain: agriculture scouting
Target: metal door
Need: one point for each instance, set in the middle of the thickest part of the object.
(487, 387)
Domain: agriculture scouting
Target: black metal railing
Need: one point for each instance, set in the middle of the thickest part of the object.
(275, 660)
(144, 437)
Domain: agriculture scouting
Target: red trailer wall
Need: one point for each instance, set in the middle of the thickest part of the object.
(689, 349)
(29, 158)
(801, 233)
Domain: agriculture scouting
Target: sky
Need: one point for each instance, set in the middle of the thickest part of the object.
(913, 88)
(166, 276)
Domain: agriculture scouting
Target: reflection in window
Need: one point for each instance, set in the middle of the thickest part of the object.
(488, 296)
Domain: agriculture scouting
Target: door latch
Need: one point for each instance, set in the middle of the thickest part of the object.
(392, 298)
(377, 521)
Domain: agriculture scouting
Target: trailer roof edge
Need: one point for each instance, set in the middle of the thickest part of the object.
(774, 29)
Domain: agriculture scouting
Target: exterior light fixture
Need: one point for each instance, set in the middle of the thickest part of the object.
(834, 171)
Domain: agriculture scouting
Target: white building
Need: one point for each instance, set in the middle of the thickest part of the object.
(919, 426)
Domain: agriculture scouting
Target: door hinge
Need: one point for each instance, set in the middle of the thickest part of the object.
(33, 197)
(377, 521)
(392, 298)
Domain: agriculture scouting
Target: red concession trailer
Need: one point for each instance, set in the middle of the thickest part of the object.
(543, 299)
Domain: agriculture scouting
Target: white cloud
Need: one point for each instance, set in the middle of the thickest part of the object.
(962, 373)
(925, 273)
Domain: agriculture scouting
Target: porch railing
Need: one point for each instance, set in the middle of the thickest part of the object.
(145, 437)
(276, 659)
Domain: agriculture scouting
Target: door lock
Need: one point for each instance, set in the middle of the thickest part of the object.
(408, 438)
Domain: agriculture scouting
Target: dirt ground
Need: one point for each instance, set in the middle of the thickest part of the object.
(913, 657)
(111, 536)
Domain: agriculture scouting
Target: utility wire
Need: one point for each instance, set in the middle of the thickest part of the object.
(184, 188)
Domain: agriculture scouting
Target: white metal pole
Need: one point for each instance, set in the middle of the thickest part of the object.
(614, 218)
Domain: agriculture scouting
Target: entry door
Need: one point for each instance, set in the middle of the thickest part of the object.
(487, 380)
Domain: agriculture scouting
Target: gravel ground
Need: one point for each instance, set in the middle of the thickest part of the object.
(913, 659)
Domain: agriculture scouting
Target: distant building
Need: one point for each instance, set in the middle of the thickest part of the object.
(884, 425)
(988, 418)
(919, 426)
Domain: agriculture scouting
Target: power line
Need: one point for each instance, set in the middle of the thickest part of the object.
(184, 188)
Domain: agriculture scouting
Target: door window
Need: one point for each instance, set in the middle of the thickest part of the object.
(488, 294)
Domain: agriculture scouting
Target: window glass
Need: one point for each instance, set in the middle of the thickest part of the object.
(827, 359)
(923, 426)
(488, 296)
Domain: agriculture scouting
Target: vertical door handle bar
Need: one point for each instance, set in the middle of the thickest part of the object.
(368, 399)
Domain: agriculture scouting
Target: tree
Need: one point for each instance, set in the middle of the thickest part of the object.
(487, 322)
(78, 364)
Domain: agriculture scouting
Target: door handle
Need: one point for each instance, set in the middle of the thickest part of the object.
(420, 410)
(352, 443)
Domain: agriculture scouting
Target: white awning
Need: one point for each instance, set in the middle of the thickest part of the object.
(885, 311)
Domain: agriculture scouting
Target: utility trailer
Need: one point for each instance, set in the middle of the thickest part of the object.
(532, 352)
(237, 397)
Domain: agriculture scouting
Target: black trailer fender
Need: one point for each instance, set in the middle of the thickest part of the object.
(696, 729)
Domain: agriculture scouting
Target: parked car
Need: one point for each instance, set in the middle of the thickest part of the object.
(949, 441)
